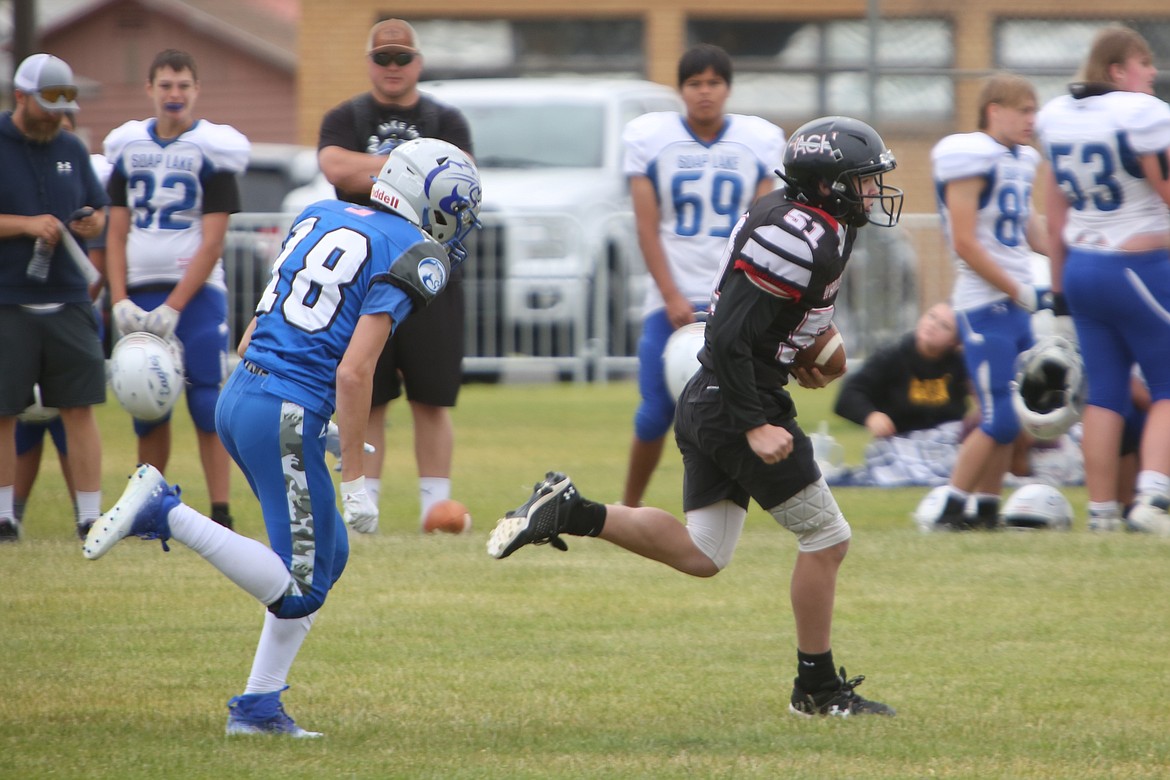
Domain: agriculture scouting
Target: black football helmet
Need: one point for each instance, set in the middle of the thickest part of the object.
(824, 161)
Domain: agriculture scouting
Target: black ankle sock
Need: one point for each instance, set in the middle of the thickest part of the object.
(587, 518)
(955, 505)
(987, 508)
(221, 514)
(815, 671)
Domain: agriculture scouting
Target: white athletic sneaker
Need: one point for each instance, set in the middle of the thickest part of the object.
(1105, 523)
(141, 511)
(1149, 515)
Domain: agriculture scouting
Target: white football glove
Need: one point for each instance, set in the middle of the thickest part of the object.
(333, 441)
(161, 321)
(357, 507)
(1027, 298)
(128, 316)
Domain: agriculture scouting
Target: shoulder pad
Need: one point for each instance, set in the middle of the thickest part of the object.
(965, 155)
(421, 271)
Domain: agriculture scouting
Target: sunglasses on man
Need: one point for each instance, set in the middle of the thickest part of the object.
(399, 58)
(54, 94)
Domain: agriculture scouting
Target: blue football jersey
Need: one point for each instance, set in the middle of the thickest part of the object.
(333, 268)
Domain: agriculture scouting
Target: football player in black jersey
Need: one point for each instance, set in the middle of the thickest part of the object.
(736, 423)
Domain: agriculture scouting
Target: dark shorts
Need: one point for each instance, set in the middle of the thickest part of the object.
(60, 350)
(425, 353)
(719, 465)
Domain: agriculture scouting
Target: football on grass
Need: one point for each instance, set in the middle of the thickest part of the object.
(827, 353)
(447, 516)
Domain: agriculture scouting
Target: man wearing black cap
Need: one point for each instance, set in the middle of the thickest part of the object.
(48, 334)
(426, 353)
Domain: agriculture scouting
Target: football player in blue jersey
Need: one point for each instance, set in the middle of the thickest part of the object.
(1107, 196)
(173, 188)
(735, 422)
(346, 278)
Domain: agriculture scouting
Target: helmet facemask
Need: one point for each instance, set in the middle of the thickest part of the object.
(856, 207)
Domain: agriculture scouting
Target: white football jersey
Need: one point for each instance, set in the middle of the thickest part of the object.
(1092, 144)
(1004, 208)
(702, 188)
(165, 186)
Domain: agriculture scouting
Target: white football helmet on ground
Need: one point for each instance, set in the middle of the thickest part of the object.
(434, 185)
(680, 356)
(1036, 507)
(146, 375)
(1048, 393)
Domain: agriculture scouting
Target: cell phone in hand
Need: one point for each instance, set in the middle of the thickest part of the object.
(81, 213)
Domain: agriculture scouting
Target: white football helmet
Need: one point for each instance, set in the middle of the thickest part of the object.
(680, 356)
(1048, 392)
(37, 412)
(434, 185)
(1036, 507)
(146, 375)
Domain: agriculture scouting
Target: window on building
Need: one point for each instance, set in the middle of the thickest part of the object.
(788, 70)
(503, 47)
(1049, 51)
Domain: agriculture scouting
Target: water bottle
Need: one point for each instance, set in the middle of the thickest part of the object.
(38, 267)
(827, 451)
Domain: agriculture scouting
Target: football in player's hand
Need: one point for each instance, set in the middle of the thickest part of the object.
(447, 516)
(827, 353)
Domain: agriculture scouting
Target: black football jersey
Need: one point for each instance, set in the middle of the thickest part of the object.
(775, 292)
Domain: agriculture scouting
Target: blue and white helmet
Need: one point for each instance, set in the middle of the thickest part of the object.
(432, 183)
(146, 375)
(1049, 390)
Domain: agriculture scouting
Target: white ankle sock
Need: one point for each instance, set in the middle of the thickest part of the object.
(280, 641)
(89, 505)
(432, 490)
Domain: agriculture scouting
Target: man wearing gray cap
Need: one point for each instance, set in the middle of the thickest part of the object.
(48, 334)
(426, 354)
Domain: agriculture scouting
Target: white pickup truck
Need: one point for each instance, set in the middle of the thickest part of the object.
(558, 224)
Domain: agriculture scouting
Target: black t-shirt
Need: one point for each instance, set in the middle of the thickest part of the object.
(361, 124)
(915, 392)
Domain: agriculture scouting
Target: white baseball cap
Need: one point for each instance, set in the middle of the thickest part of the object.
(49, 80)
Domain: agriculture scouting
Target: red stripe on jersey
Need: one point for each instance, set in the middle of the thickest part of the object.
(769, 283)
(826, 215)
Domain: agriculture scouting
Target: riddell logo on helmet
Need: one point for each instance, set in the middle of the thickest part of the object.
(814, 143)
(382, 196)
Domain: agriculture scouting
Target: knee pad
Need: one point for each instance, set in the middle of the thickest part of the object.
(813, 515)
(715, 530)
(201, 400)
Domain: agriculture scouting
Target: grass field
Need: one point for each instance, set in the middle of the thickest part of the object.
(1007, 655)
